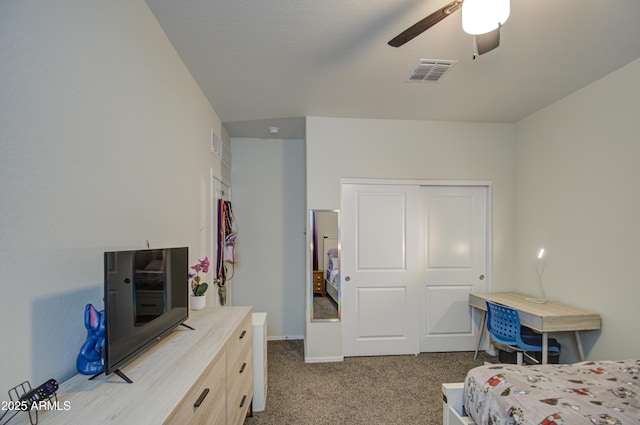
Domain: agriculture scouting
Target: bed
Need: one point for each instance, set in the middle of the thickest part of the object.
(599, 393)
(332, 275)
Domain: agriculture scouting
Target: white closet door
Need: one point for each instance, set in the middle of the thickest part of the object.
(380, 269)
(454, 258)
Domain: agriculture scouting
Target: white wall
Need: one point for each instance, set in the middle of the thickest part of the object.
(577, 196)
(394, 149)
(104, 143)
(268, 203)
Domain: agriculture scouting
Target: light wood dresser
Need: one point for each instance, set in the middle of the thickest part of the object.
(211, 367)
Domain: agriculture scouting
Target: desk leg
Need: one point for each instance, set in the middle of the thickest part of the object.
(483, 319)
(579, 345)
(545, 348)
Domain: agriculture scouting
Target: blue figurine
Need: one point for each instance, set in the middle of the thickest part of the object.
(89, 360)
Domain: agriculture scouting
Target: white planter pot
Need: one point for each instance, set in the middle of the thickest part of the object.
(198, 303)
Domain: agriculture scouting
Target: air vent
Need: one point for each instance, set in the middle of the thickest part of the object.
(430, 71)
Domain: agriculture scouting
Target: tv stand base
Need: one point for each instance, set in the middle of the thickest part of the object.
(117, 372)
(123, 376)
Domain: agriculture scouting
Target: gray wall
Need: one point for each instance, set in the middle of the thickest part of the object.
(100, 123)
(577, 196)
(268, 202)
(404, 149)
(564, 178)
(104, 143)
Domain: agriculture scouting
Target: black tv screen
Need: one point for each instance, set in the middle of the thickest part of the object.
(146, 295)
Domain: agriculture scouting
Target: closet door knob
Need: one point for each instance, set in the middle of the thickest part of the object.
(481, 277)
(347, 278)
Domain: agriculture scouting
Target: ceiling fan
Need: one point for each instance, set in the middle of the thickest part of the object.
(481, 18)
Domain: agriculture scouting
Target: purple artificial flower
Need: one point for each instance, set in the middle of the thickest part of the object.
(198, 287)
(204, 265)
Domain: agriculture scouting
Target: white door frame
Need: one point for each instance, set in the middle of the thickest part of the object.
(218, 189)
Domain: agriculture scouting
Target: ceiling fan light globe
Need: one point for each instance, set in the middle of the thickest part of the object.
(483, 16)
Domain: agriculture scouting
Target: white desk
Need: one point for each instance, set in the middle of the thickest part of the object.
(542, 318)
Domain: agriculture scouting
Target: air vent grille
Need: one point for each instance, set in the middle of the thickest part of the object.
(430, 71)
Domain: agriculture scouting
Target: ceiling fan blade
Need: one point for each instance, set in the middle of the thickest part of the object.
(486, 42)
(423, 25)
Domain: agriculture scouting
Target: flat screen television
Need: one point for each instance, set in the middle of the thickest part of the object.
(146, 296)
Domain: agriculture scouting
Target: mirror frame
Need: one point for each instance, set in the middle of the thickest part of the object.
(312, 252)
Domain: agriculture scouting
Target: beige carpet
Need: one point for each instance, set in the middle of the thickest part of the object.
(360, 390)
(324, 307)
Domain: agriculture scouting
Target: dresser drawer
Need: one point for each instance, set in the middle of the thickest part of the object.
(240, 365)
(318, 282)
(240, 372)
(241, 339)
(208, 393)
(240, 395)
(240, 368)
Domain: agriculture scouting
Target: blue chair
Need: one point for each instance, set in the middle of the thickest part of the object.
(503, 324)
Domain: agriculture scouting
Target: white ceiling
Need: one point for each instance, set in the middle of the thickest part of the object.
(259, 60)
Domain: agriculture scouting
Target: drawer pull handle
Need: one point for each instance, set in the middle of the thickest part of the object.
(244, 397)
(201, 398)
(243, 334)
(243, 366)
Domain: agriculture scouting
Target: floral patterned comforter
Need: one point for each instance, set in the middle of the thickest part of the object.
(602, 392)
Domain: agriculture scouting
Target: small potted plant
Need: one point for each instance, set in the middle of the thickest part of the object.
(198, 287)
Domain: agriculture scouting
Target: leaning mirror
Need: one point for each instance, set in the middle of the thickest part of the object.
(325, 265)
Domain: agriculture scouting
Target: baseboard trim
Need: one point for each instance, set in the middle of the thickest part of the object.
(331, 359)
(284, 337)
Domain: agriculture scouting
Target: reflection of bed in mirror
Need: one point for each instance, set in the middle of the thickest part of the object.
(332, 266)
(324, 265)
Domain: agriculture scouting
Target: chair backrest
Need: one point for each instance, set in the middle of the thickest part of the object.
(503, 324)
